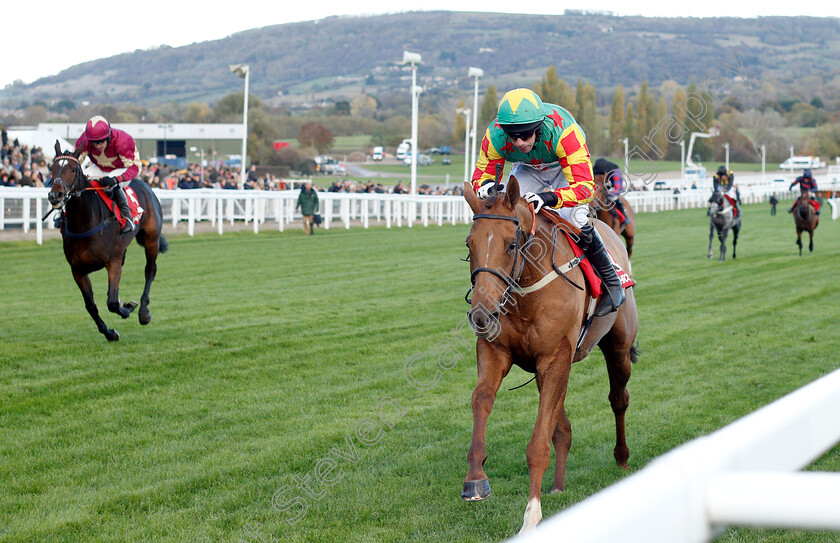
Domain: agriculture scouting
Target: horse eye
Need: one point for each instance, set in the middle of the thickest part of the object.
(511, 247)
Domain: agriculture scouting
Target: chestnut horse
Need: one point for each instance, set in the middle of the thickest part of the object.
(92, 239)
(524, 314)
(806, 220)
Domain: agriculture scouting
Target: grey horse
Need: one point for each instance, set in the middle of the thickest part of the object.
(722, 219)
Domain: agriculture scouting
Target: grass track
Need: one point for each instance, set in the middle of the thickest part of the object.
(268, 352)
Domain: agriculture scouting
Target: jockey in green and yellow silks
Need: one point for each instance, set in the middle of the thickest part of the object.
(553, 168)
(560, 147)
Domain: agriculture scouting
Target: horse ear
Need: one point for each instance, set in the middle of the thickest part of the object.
(470, 197)
(512, 191)
(57, 148)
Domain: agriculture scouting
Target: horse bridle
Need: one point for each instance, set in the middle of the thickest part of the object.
(68, 191)
(508, 279)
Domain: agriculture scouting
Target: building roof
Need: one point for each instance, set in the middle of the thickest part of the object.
(154, 131)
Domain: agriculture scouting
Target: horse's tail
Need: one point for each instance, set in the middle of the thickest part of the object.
(163, 244)
(635, 353)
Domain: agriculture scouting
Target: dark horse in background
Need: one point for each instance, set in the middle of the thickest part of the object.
(806, 220)
(92, 239)
(525, 313)
(722, 220)
(604, 212)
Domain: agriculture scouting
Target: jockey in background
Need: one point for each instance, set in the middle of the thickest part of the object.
(613, 181)
(114, 158)
(807, 183)
(724, 182)
(551, 162)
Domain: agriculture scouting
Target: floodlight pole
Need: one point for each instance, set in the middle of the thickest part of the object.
(243, 71)
(763, 160)
(626, 143)
(726, 146)
(466, 113)
(414, 59)
(476, 73)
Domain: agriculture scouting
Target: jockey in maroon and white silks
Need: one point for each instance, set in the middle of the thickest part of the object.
(114, 158)
(120, 153)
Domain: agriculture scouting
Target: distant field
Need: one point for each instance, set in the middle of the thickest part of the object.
(267, 351)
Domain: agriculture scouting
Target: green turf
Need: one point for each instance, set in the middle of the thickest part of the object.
(268, 352)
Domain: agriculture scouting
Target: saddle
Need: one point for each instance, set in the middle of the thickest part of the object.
(130, 196)
(589, 274)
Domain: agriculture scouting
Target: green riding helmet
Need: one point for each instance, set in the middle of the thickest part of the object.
(520, 110)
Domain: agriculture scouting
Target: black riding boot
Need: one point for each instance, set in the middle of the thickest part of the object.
(118, 195)
(612, 295)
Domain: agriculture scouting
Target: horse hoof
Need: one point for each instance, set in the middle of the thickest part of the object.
(475, 490)
(145, 317)
(130, 306)
(112, 335)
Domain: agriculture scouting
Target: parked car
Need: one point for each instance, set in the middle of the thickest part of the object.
(422, 160)
(802, 162)
(329, 166)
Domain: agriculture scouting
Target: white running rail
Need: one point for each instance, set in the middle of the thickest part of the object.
(24, 206)
(744, 474)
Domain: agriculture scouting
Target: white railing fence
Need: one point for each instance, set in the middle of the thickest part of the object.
(744, 474)
(24, 206)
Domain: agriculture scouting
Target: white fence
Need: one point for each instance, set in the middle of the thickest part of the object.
(744, 474)
(24, 206)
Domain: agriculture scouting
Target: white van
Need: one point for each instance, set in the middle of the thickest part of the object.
(403, 149)
(378, 153)
(802, 162)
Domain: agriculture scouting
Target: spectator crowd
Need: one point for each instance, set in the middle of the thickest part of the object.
(21, 166)
(25, 166)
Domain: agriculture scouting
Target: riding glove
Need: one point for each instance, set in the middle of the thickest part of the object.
(108, 181)
(539, 199)
(488, 189)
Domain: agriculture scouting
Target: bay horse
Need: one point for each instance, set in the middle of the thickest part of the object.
(524, 315)
(604, 213)
(92, 239)
(723, 219)
(806, 220)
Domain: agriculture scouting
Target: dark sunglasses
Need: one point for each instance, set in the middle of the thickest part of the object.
(97, 142)
(517, 135)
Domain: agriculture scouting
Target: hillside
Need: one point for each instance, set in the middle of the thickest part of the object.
(337, 57)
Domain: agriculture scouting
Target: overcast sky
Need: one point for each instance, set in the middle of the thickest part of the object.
(45, 37)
